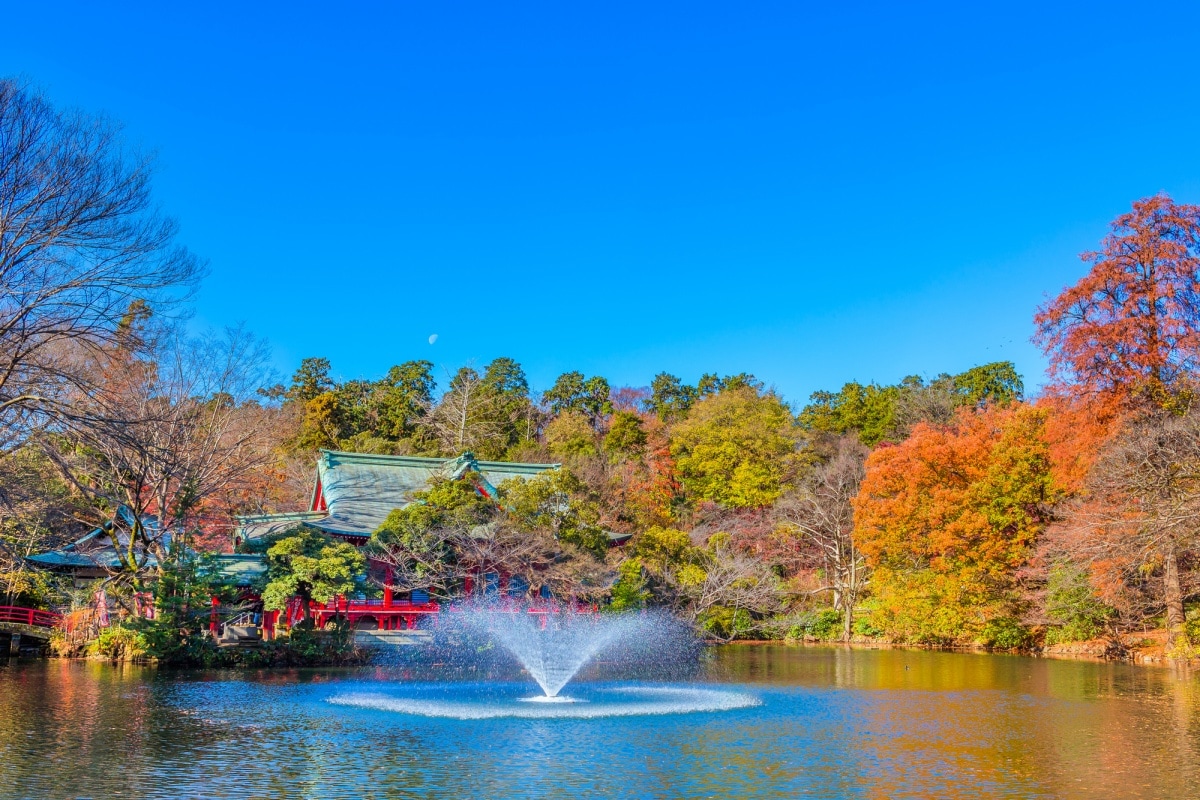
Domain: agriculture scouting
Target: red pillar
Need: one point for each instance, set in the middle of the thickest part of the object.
(212, 615)
(387, 587)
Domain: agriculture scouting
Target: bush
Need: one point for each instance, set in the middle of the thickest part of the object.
(826, 625)
(189, 646)
(863, 626)
(823, 625)
(630, 590)
(1072, 606)
(305, 645)
(726, 623)
(1006, 633)
(120, 644)
(1191, 627)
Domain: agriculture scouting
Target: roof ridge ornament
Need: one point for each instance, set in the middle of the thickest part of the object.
(457, 467)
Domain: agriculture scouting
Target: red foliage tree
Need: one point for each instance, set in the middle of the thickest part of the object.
(1131, 327)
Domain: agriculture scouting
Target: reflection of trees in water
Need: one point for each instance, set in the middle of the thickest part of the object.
(948, 723)
(834, 722)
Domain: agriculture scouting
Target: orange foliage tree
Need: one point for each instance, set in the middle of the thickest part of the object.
(648, 486)
(945, 519)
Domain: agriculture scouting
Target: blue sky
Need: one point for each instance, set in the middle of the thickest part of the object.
(813, 194)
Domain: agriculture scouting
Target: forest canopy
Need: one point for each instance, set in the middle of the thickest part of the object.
(953, 509)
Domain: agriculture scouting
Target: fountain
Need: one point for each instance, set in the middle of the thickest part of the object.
(552, 648)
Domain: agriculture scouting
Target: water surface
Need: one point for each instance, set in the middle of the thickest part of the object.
(819, 722)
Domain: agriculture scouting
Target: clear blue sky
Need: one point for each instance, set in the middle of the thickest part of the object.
(813, 195)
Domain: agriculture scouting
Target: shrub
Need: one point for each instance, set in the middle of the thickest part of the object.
(824, 625)
(630, 590)
(1072, 606)
(1006, 633)
(1191, 627)
(726, 623)
(120, 644)
(863, 626)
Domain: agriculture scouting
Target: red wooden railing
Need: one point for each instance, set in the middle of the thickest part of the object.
(29, 616)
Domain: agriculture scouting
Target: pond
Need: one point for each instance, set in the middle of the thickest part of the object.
(752, 721)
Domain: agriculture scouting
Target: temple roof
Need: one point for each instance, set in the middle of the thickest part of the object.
(359, 490)
(264, 525)
(354, 492)
(95, 549)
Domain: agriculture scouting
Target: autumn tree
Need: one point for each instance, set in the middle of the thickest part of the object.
(646, 479)
(946, 517)
(626, 437)
(1140, 517)
(38, 512)
(736, 448)
(717, 587)
(171, 432)
(570, 434)
(1130, 328)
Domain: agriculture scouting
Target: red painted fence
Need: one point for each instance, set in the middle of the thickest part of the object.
(29, 616)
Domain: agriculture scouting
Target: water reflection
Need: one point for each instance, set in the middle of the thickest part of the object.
(833, 723)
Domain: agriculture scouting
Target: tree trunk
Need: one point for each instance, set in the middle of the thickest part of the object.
(1173, 594)
(850, 595)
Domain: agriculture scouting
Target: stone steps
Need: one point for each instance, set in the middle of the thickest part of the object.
(240, 636)
(391, 638)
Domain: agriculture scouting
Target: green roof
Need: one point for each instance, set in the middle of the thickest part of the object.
(361, 489)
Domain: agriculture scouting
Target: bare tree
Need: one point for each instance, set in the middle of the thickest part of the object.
(819, 510)
(171, 434)
(934, 403)
(732, 579)
(1141, 514)
(440, 558)
(80, 241)
(466, 417)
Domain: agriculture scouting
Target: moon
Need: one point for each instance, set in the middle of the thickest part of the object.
(433, 339)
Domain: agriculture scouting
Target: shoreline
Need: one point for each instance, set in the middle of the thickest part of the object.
(1137, 652)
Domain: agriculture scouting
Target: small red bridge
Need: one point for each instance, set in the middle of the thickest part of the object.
(18, 623)
(33, 617)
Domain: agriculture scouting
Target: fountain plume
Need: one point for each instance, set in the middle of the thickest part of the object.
(554, 647)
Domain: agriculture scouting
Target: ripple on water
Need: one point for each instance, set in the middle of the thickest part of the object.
(628, 701)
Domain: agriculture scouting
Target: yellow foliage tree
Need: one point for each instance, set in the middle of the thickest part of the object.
(736, 448)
